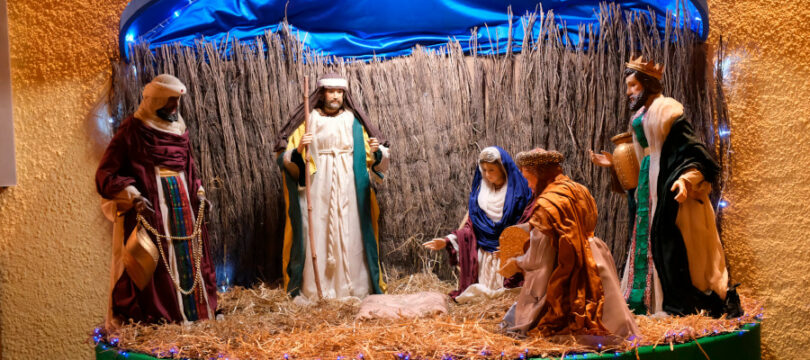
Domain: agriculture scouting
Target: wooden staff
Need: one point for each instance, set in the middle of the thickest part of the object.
(306, 189)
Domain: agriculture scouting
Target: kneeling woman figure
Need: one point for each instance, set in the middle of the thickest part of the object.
(497, 200)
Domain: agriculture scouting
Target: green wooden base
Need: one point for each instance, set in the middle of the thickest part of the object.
(743, 344)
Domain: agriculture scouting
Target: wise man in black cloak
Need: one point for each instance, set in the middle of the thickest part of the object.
(676, 262)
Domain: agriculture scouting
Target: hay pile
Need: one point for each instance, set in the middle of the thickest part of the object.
(263, 323)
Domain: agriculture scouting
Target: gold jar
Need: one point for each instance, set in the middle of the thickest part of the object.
(625, 162)
(512, 242)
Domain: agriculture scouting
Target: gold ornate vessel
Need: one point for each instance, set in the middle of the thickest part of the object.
(625, 162)
(140, 257)
(513, 243)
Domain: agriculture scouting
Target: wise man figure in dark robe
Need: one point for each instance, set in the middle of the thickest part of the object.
(675, 262)
(344, 154)
(151, 189)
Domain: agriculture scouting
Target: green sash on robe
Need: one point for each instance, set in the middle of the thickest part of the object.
(642, 226)
(297, 256)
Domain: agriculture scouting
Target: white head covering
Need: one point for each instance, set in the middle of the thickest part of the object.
(489, 199)
(333, 80)
(155, 96)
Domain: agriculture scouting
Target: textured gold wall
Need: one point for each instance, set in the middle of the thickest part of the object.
(54, 243)
(767, 224)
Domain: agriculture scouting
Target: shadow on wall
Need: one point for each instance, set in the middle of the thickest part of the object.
(99, 122)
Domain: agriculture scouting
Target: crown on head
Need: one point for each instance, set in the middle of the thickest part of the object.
(646, 67)
(538, 157)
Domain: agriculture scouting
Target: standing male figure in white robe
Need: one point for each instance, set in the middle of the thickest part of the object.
(343, 153)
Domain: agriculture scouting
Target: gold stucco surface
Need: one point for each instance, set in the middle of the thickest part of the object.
(767, 225)
(54, 242)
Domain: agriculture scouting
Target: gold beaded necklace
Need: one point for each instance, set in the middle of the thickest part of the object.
(196, 248)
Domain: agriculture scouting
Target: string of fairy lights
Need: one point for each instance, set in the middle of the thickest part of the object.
(725, 138)
(723, 64)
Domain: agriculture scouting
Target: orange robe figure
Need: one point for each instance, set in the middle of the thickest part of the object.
(566, 214)
(571, 287)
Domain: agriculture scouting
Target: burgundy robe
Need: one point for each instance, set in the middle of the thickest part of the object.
(130, 159)
(466, 258)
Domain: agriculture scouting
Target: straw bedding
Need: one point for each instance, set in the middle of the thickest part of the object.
(263, 323)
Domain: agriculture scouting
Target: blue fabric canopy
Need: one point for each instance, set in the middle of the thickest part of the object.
(368, 28)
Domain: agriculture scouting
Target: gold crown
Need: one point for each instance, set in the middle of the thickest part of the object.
(538, 157)
(646, 67)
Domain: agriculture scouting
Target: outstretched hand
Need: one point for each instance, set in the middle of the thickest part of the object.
(143, 206)
(435, 244)
(208, 206)
(374, 144)
(682, 190)
(604, 160)
(511, 261)
(305, 141)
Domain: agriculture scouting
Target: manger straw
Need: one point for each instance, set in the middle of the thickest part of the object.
(264, 323)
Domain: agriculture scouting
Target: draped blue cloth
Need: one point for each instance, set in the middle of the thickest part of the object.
(363, 29)
(518, 195)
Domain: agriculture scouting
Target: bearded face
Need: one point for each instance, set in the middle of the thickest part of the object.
(169, 111)
(637, 101)
(538, 177)
(332, 100)
(636, 94)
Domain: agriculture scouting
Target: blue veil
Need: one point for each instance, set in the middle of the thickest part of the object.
(518, 196)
